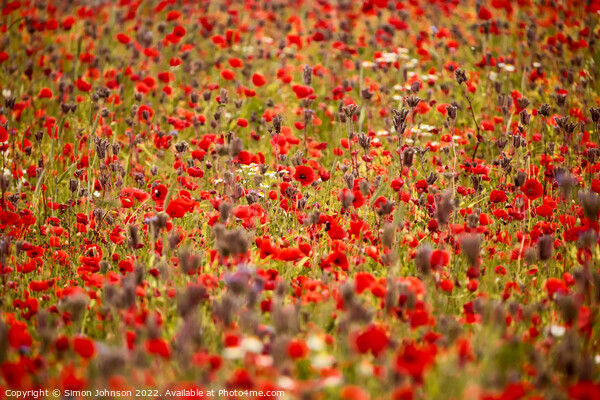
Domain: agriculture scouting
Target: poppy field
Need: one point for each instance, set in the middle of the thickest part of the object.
(317, 199)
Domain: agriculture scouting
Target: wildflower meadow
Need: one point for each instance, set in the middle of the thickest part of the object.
(300, 199)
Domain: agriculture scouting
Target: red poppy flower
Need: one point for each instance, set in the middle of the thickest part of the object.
(304, 175)
(177, 208)
(290, 254)
(159, 193)
(484, 13)
(258, 80)
(337, 258)
(228, 74)
(83, 85)
(84, 346)
(195, 172)
(297, 349)
(45, 93)
(374, 340)
(532, 189)
(413, 361)
(123, 38)
(158, 347)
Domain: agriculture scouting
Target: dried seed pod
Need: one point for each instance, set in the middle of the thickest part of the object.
(545, 110)
(461, 76)
(412, 101)
(451, 112)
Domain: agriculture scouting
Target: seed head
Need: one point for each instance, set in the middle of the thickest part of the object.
(525, 117)
(73, 185)
(595, 113)
(277, 121)
(412, 101)
(544, 110)
(461, 76)
(415, 86)
(451, 111)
